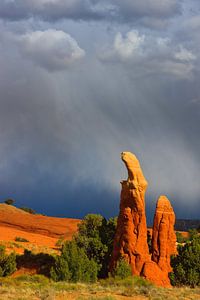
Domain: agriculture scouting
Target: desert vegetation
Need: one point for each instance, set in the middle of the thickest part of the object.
(86, 257)
(81, 269)
(186, 265)
(7, 262)
(39, 287)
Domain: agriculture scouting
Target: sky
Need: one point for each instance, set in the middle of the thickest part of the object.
(83, 80)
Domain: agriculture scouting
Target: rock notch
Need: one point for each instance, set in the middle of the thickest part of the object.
(130, 240)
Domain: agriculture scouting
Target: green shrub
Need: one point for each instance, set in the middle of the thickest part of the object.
(29, 210)
(42, 261)
(74, 265)
(193, 233)
(21, 239)
(180, 238)
(60, 242)
(9, 201)
(7, 262)
(60, 271)
(95, 235)
(122, 269)
(186, 265)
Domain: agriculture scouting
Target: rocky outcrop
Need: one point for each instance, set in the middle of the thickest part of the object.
(130, 240)
(163, 237)
(131, 234)
(163, 243)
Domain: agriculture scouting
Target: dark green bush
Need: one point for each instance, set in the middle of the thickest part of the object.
(60, 242)
(73, 265)
(180, 238)
(95, 236)
(7, 262)
(29, 210)
(21, 239)
(193, 233)
(42, 261)
(186, 265)
(88, 253)
(9, 201)
(122, 269)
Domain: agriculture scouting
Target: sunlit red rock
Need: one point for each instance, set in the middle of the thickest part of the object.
(163, 243)
(130, 240)
(131, 235)
(163, 237)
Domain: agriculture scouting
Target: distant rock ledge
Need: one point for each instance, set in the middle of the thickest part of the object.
(186, 224)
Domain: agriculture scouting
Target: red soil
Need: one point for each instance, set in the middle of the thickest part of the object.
(37, 229)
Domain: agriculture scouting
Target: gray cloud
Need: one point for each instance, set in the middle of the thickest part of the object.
(150, 11)
(149, 55)
(51, 49)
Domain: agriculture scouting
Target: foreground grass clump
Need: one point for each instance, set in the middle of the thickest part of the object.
(7, 262)
(122, 269)
(39, 287)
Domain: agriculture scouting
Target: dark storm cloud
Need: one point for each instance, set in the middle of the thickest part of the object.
(61, 133)
(127, 11)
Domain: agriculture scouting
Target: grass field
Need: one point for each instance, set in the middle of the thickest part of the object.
(39, 287)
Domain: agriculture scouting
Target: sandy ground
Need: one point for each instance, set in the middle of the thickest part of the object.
(40, 231)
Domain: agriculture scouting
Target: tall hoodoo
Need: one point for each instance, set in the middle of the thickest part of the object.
(164, 237)
(163, 243)
(131, 234)
(130, 240)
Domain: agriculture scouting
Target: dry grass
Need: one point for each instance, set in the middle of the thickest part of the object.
(39, 287)
(19, 247)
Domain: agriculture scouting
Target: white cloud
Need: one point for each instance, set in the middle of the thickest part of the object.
(50, 49)
(149, 55)
(184, 55)
(127, 46)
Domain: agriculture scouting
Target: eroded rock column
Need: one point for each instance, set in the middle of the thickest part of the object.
(163, 244)
(131, 234)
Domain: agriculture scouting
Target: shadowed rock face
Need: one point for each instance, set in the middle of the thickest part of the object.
(130, 240)
(131, 235)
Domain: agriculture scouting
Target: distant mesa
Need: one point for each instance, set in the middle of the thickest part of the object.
(186, 224)
(130, 240)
